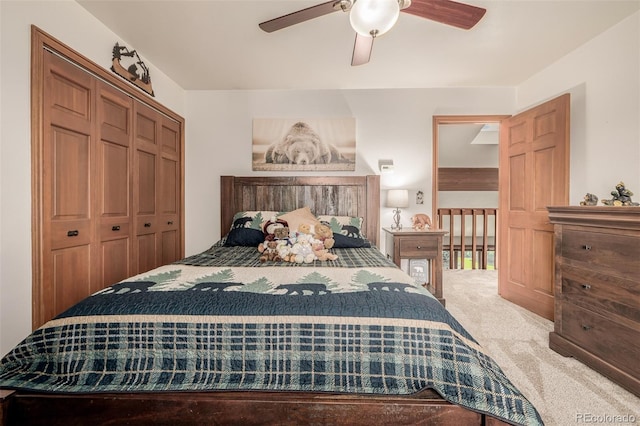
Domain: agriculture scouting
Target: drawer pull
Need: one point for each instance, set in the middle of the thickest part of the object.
(586, 247)
(586, 327)
(419, 247)
(115, 228)
(73, 233)
(170, 222)
(147, 225)
(586, 286)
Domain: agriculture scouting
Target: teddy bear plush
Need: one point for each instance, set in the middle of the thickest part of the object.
(269, 251)
(324, 233)
(301, 251)
(321, 253)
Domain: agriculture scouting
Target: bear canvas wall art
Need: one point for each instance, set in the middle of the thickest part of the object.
(304, 144)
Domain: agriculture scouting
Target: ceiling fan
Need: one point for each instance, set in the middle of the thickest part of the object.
(372, 18)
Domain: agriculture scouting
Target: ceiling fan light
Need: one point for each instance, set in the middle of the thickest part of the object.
(374, 17)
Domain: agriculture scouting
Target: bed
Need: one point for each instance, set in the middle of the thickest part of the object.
(222, 337)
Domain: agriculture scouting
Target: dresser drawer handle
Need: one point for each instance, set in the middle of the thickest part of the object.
(115, 228)
(170, 222)
(586, 327)
(419, 247)
(147, 225)
(586, 247)
(73, 233)
(586, 286)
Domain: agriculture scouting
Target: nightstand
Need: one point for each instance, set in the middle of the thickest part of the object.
(411, 244)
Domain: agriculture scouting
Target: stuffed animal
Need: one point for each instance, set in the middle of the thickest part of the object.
(321, 252)
(421, 221)
(273, 228)
(301, 251)
(269, 251)
(284, 249)
(325, 234)
(304, 229)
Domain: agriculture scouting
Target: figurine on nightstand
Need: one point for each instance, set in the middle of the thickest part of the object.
(420, 222)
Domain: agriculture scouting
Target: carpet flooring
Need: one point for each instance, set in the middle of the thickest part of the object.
(564, 391)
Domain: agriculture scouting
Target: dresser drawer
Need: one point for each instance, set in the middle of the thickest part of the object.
(617, 344)
(418, 247)
(620, 254)
(601, 293)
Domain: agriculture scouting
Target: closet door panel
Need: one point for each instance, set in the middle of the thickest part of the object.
(147, 256)
(145, 187)
(68, 152)
(71, 274)
(116, 256)
(115, 118)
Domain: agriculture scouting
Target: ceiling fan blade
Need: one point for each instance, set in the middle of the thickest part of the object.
(448, 12)
(300, 16)
(361, 50)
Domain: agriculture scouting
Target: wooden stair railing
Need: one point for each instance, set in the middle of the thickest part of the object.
(478, 242)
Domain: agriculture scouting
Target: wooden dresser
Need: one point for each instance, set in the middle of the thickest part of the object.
(597, 289)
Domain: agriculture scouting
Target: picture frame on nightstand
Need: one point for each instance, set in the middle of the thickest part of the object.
(419, 271)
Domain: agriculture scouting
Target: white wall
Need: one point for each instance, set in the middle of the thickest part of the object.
(603, 77)
(390, 124)
(72, 25)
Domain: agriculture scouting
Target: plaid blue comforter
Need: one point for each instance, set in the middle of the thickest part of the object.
(360, 326)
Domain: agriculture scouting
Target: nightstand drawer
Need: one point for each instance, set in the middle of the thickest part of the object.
(617, 253)
(418, 247)
(617, 344)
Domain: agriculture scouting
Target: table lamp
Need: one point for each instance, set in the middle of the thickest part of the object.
(397, 198)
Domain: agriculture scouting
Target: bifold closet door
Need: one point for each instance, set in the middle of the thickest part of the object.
(67, 186)
(113, 174)
(157, 189)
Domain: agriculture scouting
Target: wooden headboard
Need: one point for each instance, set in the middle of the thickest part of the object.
(334, 195)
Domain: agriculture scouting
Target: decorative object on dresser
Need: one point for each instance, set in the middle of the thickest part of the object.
(620, 196)
(397, 198)
(597, 289)
(589, 200)
(412, 244)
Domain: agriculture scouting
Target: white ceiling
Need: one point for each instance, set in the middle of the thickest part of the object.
(214, 44)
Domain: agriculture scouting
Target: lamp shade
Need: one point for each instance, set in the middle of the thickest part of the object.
(372, 18)
(398, 198)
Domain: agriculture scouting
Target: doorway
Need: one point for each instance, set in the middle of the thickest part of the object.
(465, 188)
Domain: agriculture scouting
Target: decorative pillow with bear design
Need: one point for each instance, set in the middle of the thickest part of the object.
(247, 228)
(347, 231)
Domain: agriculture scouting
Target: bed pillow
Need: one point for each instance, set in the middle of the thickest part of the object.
(296, 217)
(347, 231)
(246, 228)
